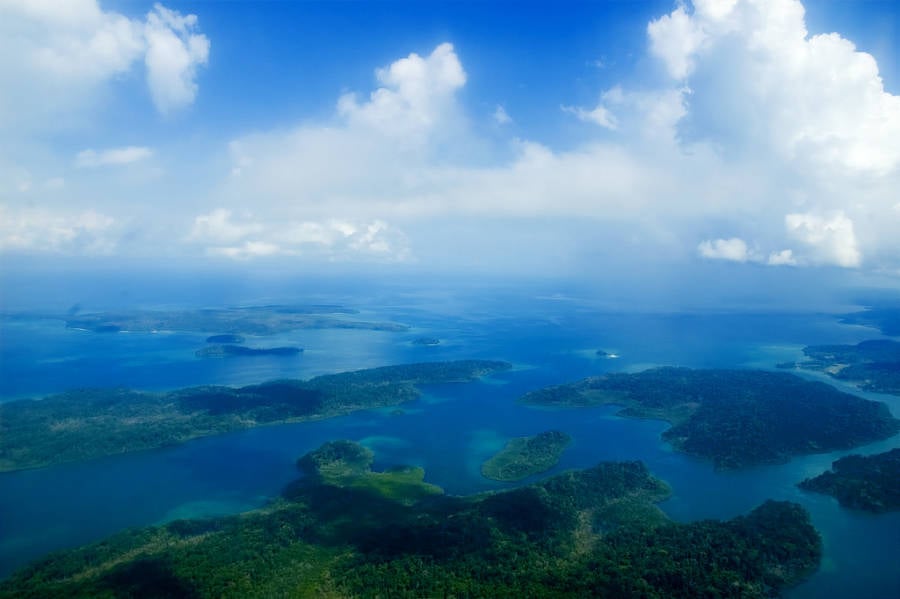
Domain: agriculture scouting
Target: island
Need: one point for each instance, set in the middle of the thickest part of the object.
(341, 531)
(90, 423)
(872, 365)
(349, 465)
(426, 341)
(736, 418)
(225, 339)
(224, 351)
(239, 321)
(870, 483)
(525, 456)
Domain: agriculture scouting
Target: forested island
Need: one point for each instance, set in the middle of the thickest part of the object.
(873, 365)
(224, 351)
(90, 423)
(248, 320)
(870, 483)
(338, 532)
(525, 456)
(736, 418)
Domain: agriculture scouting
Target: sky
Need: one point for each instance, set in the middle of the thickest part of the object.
(736, 138)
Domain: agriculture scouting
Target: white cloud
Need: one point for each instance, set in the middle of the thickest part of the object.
(782, 258)
(112, 157)
(415, 94)
(333, 239)
(733, 249)
(759, 76)
(42, 231)
(57, 59)
(831, 239)
(246, 250)
(501, 117)
(675, 38)
(217, 227)
(599, 115)
(174, 51)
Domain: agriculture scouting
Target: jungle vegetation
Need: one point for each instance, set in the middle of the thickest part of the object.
(90, 423)
(736, 418)
(341, 532)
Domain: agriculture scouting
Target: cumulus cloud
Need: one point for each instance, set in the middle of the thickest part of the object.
(415, 92)
(56, 56)
(218, 227)
(112, 157)
(750, 125)
(754, 66)
(831, 239)
(733, 249)
(333, 239)
(174, 51)
(782, 258)
(42, 231)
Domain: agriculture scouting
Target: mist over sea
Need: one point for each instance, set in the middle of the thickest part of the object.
(550, 334)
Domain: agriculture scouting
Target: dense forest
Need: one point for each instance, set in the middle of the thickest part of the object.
(90, 423)
(340, 532)
(736, 418)
(526, 456)
(870, 483)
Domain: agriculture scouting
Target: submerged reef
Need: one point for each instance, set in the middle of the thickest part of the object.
(345, 531)
(736, 418)
(224, 351)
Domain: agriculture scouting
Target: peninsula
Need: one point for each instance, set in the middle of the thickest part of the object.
(872, 365)
(870, 483)
(338, 532)
(525, 456)
(736, 418)
(91, 423)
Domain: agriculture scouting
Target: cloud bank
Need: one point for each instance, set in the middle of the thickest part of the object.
(747, 140)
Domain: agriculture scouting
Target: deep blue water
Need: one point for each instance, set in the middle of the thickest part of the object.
(449, 431)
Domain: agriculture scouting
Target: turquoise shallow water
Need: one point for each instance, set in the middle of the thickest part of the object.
(449, 431)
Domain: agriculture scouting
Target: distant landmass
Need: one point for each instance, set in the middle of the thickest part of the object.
(873, 365)
(345, 531)
(736, 418)
(884, 318)
(870, 483)
(90, 423)
(223, 351)
(525, 456)
(250, 320)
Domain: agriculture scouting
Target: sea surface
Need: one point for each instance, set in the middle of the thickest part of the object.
(550, 338)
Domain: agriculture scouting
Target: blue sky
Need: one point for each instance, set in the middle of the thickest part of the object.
(493, 137)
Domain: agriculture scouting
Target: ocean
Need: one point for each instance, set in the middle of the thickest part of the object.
(549, 337)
